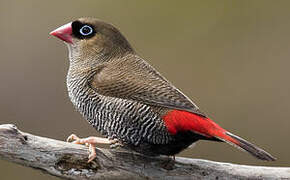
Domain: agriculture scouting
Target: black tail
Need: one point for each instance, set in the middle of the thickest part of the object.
(248, 147)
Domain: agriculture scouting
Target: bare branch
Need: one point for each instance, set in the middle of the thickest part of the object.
(69, 161)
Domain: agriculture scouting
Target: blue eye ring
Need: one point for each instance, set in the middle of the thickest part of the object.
(86, 30)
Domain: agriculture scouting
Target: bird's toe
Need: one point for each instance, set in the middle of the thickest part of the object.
(92, 152)
(72, 138)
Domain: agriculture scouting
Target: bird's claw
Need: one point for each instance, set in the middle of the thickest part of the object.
(72, 138)
(92, 152)
(116, 145)
(75, 140)
(91, 143)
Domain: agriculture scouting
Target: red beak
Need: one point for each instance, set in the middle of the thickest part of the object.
(64, 33)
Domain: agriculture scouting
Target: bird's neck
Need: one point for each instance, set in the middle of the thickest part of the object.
(77, 84)
(89, 56)
(82, 66)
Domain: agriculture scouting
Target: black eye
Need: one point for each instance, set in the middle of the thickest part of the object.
(82, 30)
(86, 30)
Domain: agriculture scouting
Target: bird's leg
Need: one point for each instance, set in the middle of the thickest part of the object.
(115, 143)
(92, 152)
(91, 142)
(169, 164)
(173, 157)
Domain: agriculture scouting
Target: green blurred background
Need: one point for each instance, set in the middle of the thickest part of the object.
(231, 57)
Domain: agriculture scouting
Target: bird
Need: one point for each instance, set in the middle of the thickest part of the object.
(128, 101)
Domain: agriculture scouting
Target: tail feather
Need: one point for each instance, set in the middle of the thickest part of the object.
(178, 120)
(244, 145)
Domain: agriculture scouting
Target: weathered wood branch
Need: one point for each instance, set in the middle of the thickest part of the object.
(69, 161)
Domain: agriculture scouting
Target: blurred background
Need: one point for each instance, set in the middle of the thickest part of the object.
(230, 57)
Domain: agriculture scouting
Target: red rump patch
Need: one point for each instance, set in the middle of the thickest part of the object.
(177, 120)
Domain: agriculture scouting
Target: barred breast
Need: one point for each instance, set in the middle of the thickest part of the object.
(131, 122)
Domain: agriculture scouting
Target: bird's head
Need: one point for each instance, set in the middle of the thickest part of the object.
(89, 38)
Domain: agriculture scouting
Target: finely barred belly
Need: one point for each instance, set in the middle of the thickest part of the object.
(128, 121)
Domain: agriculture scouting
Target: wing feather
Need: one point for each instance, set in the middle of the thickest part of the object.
(133, 78)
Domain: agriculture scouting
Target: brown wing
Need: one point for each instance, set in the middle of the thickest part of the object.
(132, 78)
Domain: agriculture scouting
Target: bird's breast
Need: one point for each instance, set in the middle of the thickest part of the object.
(128, 120)
(81, 97)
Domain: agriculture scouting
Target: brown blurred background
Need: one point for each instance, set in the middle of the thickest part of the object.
(231, 57)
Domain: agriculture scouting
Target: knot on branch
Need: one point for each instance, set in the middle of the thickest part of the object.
(11, 131)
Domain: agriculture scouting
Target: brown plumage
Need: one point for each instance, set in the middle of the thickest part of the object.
(128, 101)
